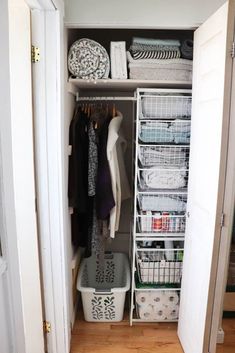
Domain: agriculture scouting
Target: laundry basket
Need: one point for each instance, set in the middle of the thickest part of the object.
(103, 286)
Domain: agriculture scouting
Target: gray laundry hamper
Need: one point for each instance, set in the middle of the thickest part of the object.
(103, 286)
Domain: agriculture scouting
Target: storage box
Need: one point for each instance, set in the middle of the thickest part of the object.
(103, 286)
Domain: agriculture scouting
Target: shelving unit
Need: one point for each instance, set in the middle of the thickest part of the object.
(160, 200)
(75, 84)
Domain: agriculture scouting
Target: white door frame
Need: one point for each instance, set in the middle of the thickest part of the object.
(27, 335)
(48, 87)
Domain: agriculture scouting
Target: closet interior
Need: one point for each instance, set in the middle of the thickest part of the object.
(143, 232)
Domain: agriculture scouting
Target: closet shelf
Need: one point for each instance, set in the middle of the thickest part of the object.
(122, 85)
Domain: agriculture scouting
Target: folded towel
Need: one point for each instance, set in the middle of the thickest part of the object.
(156, 63)
(162, 203)
(156, 41)
(157, 156)
(160, 54)
(187, 49)
(164, 179)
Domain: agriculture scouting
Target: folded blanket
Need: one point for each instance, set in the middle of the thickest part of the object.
(161, 54)
(155, 63)
(155, 41)
(163, 133)
(187, 49)
(162, 203)
(152, 156)
(160, 74)
(180, 126)
(156, 132)
(164, 179)
(165, 107)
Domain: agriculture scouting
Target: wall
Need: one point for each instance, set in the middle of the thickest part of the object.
(139, 13)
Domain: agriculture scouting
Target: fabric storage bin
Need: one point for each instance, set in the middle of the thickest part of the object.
(161, 222)
(157, 201)
(162, 131)
(165, 106)
(163, 156)
(157, 305)
(162, 178)
(103, 286)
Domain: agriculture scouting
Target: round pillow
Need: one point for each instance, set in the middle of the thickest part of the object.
(87, 59)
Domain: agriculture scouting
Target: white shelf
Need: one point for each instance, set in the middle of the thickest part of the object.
(75, 84)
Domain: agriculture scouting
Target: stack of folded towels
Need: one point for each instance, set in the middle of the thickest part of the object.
(160, 59)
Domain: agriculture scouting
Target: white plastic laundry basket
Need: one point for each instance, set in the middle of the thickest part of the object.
(103, 286)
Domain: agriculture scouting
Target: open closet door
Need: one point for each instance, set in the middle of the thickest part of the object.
(209, 138)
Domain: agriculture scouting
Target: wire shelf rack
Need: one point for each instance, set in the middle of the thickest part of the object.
(162, 305)
(161, 222)
(159, 201)
(162, 178)
(165, 106)
(165, 131)
(159, 266)
(163, 156)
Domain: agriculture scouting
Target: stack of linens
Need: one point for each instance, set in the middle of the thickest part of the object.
(157, 59)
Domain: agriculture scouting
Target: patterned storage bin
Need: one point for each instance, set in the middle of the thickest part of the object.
(103, 286)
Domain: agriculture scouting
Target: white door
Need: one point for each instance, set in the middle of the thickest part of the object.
(209, 138)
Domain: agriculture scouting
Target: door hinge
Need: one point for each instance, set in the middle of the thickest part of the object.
(222, 220)
(46, 326)
(233, 50)
(35, 54)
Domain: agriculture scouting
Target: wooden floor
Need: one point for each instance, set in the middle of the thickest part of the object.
(141, 338)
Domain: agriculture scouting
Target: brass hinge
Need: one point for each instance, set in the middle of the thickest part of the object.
(233, 50)
(35, 54)
(46, 326)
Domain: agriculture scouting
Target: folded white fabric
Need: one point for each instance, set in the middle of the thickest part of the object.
(162, 203)
(180, 126)
(164, 178)
(150, 156)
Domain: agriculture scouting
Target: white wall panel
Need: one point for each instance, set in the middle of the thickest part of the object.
(139, 13)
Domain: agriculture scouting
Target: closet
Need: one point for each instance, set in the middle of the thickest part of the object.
(202, 235)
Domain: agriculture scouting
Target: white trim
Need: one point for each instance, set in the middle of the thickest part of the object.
(126, 26)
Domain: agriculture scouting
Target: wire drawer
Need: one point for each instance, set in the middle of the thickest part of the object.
(160, 201)
(162, 178)
(165, 131)
(157, 305)
(165, 106)
(159, 266)
(163, 156)
(161, 222)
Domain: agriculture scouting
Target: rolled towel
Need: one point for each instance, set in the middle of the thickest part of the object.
(187, 49)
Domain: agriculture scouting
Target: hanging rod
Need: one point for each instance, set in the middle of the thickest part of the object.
(78, 98)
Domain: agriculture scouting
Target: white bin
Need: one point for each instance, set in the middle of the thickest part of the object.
(103, 287)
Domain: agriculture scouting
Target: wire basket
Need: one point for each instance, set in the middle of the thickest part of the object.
(159, 266)
(165, 106)
(165, 178)
(165, 131)
(157, 305)
(163, 156)
(162, 201)
(161, 222)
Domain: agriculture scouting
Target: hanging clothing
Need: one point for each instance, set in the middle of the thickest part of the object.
(120, 185)
(78, 162)
(104, 194)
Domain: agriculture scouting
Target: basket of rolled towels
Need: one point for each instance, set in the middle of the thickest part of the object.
(160, 59)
